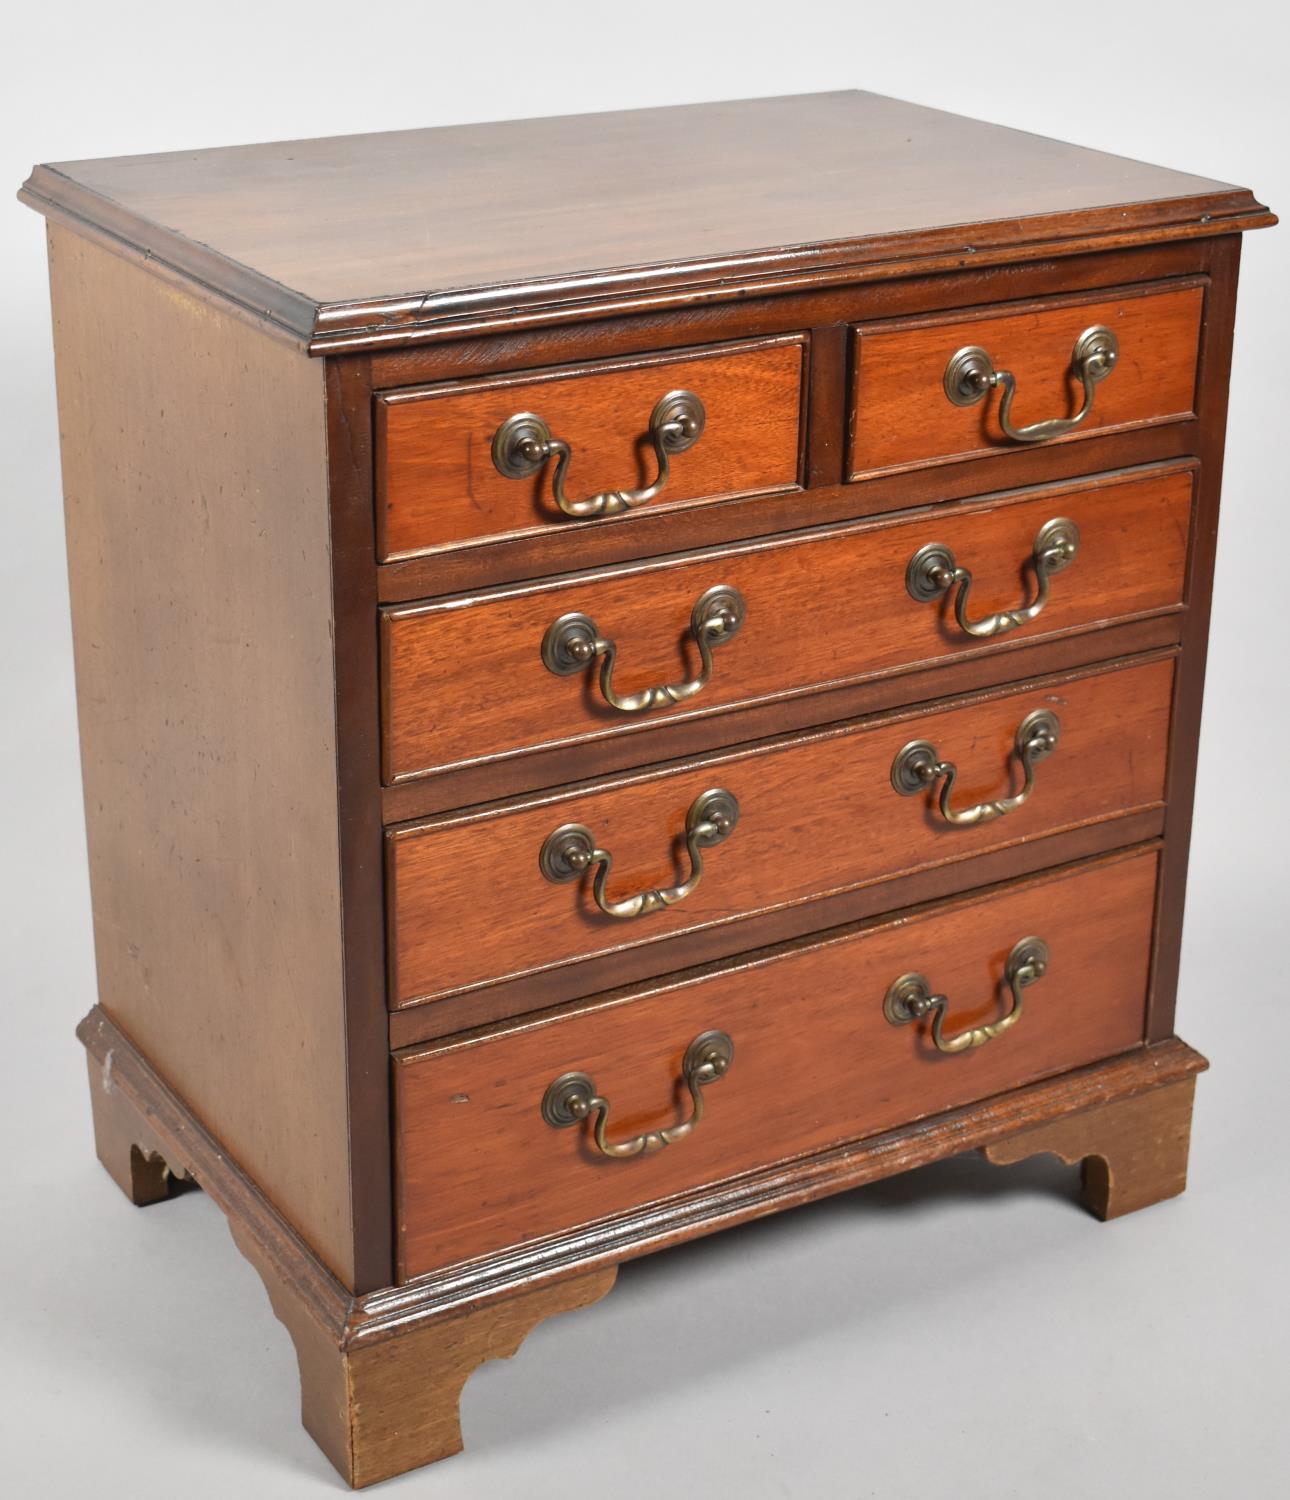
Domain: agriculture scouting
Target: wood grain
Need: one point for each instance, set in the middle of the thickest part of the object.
(825, 609)
(129, 1151)
(154, 1116)
(469, 905)
(366, 237)
(379, 1410)
(201, 599)
(815, 1062)
(527, 342)
(1132, 1153)
(379, 1385)
(483, 1305)
(359, 811)
(548, 988)
(901, 416)
(672, 738)
(227, 505)
(515, 348)
(437, 485)
(787, 1184)
(1215, 371)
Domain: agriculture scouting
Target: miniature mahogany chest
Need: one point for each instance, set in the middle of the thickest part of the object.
(633, 672)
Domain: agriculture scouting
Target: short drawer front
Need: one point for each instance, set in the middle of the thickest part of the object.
(439, 486)
(815, 1061)
(468, 680)
(470, 902)
(902, 417)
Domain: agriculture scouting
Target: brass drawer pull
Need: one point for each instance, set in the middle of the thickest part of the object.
(523, 443)
(910, 998)
(572, 1098)
(573, 642)
(932, 572)
(917, 767)
(571, 850)
(971, 374)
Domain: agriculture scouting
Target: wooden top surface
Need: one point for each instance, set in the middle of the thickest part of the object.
(367, 238)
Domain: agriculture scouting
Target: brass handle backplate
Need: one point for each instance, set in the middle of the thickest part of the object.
(971, 375)
(932, 572)
(572, 1098)
(574, 642)
(524, 443)
(570, 851)
(910, 998)
(918, 767)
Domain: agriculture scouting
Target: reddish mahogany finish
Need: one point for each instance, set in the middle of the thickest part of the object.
(308, 613)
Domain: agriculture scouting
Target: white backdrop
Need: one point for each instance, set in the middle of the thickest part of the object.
(962, 1333)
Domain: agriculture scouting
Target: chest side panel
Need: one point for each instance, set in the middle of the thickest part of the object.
(194, 456)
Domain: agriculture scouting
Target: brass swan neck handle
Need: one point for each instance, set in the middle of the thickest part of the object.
(572, 1098)
(971, 375)
(918, 767)
(910, 998)
(523, 444)
(933, 572)
(570, 850)
(573, 642)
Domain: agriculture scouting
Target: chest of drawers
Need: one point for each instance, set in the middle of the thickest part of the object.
(633, 672)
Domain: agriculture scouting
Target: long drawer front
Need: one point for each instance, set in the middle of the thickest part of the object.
(617, 651)
(489, 895)
(575, 1116)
